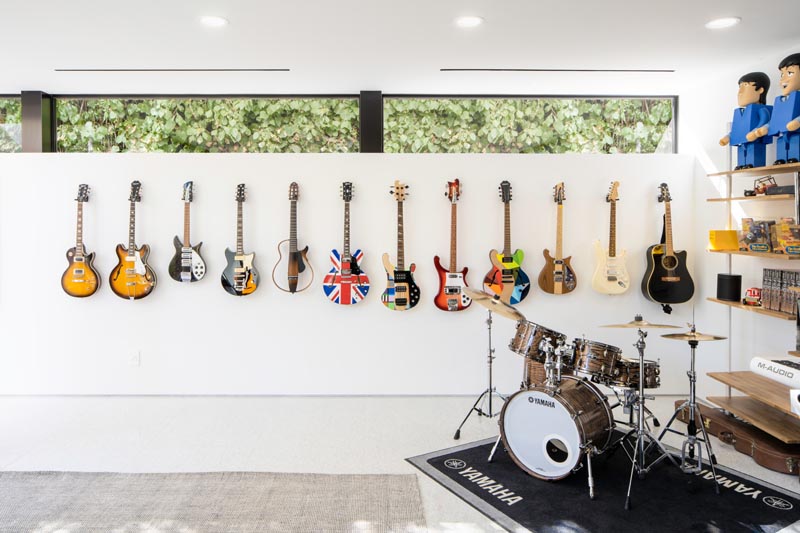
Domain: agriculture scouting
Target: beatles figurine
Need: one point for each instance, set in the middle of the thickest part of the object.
(751, 115)
(785, 119)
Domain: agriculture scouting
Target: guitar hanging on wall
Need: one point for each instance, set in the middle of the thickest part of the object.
(346, 283)
(451, 296)
(611, 274)
(667, 280)
(80, 279)
(506, 278)
(401, 292)
(133, 278)
(291, 259)
(557, 276)
(187, 265)
(240, 276)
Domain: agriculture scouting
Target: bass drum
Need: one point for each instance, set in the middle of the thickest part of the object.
(545, 429)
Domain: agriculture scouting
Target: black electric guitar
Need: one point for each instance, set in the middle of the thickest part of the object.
(401, 291)
(667, 280)
(187, 265)
(240, 276)
(290, 259)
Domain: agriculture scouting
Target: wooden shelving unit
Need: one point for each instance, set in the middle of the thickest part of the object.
(760, 171)
(754, 309)
(759, 198)
(794, 353)
(765, 255)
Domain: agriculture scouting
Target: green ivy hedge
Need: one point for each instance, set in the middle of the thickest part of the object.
(10, 118)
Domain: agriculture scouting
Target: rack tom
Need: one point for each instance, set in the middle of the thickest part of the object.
(528, 338)
(596, 361)
(629, 374)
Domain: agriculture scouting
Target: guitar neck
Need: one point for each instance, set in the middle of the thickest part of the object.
(79, 232)
(293, 226)
(612, 232)
(453, 229)
(401, 262)
(346, 247)
(239, 231)
(132, 229)
(186, 215)
(668, 228)
(559, 230)
(507, 239)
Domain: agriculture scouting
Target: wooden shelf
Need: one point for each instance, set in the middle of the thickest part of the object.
(760, 171)
(780, 425)
(794, 353)
(765, 255)
(763, 389)
(759, 198)
(754, 309)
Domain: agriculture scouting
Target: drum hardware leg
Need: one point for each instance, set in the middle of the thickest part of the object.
(630, 480)
(494, 448)
(590, 450)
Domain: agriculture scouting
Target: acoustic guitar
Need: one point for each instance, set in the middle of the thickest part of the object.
(290, 259)
(133, 278)
(506, 278)
(240, 276)
(451, 296)
(611, 274)
(187, 265)
(346, 283)
(557, 276)
(80, 279)
(401, 293)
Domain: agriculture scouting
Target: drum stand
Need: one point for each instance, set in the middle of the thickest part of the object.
(489, 392)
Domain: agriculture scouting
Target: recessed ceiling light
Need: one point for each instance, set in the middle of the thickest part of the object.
(213, 21)
(724, 22)
(469, 21)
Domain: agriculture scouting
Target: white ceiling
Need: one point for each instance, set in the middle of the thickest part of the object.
(397, 47)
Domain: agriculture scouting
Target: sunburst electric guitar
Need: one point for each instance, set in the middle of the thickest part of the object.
(80, 279)
(506, 279)
(611, 274)
(557, 276)
(346, 283)
(240, 276)
(451, 295)
(290, 259)
(401, 292)
(133, 278)
(187, 265)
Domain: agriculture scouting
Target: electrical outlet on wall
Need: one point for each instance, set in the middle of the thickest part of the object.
(135, 358)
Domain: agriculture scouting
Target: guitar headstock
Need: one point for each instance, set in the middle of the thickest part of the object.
(398, 190)
(187, 191)
(664, 195)
(83, 193)
(613, 194)
(346, 190)
(558, 193)
(136, 188)
(453, 191)
(505, 191)
(241, 195)
(294, 191)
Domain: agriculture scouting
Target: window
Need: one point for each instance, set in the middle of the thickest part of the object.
(529, 125)
(207, 124)
(10, 124)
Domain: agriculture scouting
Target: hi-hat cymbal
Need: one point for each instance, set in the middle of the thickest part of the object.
(638, 323)
(493, 303)
(693, 336)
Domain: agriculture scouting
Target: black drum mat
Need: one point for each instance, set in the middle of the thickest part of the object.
(665, 500)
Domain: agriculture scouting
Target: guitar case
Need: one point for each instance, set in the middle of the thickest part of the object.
(765, 449)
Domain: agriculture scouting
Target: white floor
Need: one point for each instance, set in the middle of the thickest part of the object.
(278, 434)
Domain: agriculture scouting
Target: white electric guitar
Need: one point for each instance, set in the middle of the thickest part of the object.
(611, 275)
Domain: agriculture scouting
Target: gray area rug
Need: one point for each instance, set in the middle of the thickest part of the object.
(236, 502)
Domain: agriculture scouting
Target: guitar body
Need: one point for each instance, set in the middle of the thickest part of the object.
(187, 265)
(294, 264)
(451, 296)
(345, 284)
(506, 278)
(667, 280)
(240, 276)
(557, 277)
(132, 278)
(80, 279)
(401, 292)
(611, 274)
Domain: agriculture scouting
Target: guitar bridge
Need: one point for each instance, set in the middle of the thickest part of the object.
(671, 278)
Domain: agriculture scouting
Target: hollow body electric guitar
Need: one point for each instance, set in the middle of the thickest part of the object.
(557, 276)
(401, 292)
(240, 276)
(346, 283)
(506, 279)
(187, 265)
(133, 278)
(667, 280)
(80, 279)
(611, 274)
(451, 296)
(290, 259)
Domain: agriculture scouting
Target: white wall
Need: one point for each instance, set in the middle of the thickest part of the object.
(199, 340)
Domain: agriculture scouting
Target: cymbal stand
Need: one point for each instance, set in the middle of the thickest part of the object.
(489, 392)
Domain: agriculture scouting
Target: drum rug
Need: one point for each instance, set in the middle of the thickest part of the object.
(665, 500)
(236, 502)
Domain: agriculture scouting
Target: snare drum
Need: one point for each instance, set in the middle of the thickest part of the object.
(527, 339)
(596, 361)
(629, 372)
(534, 374)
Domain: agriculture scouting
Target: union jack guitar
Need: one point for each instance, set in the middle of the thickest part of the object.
(346, 284)
(451, 296)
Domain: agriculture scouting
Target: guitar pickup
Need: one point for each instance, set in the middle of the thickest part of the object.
(452, 290)
(401, 302)
(79, 272)
(400, 289)
(611, 278)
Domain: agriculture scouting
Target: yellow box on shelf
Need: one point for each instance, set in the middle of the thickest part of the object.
(723, 239)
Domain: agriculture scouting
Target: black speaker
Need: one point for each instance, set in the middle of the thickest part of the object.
(729, 287)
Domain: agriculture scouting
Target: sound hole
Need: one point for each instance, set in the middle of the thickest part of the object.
(557, 450)
(669, 262)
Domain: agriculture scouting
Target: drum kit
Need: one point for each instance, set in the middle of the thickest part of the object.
(561, 417)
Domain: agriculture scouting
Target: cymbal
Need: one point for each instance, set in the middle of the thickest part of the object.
(638, 323)
(493, 303)
(693, 336)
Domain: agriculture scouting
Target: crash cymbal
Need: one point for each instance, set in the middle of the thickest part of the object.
(693, 336)
(638, 323)
(493, 303)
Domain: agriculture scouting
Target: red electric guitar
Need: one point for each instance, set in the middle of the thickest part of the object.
(451, 296)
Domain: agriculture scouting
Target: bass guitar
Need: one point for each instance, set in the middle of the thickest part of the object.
(401, 292)
(133, 278)
(666, 280)
(506, 279)
(80, 279)
(557, 276)
(611, 274)
(187, 265)
(346, 283)
(290, 259)
(451, 296)
(240, 276)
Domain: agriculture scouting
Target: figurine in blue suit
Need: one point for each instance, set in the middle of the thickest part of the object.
(752, 114)
(785, 119)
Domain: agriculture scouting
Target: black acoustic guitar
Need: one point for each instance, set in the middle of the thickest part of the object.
(667, 280)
